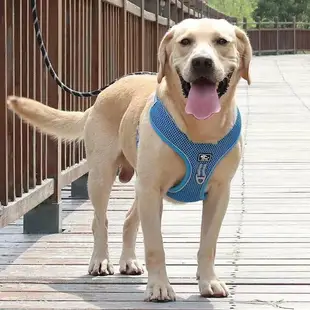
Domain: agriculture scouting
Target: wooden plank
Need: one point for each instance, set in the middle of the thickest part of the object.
(179, 288)
(142, 280)
(34, 305)
(78, 260)
(291, 273)
(8, 240)
(135, 296)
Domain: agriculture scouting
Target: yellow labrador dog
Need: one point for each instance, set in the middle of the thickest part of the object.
(152, 126)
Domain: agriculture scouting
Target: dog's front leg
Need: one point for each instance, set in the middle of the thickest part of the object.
(128, 261)
(214, 209)
(150, 211)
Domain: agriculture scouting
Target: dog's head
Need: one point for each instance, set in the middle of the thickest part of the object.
(203, 54)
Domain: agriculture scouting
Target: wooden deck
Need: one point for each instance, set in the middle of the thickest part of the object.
(264, 247)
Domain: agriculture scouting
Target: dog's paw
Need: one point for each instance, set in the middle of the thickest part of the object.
(213, 288)
(101, 267)
(130, 266)
(159, 291)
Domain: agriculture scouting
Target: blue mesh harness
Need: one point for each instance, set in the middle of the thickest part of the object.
(200, 158)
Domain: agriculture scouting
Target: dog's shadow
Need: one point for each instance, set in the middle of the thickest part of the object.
(126, 292)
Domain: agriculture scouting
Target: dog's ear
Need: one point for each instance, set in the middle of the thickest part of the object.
(245, 52)
(162, 53)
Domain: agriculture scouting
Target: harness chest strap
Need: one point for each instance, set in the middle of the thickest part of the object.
(200, 158)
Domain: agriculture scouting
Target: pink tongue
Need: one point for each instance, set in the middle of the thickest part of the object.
(202, 101)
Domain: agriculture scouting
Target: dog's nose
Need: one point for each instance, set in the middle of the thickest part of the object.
(202, 65)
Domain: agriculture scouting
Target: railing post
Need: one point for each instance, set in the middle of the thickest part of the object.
(46, 217)
(204, 10)
(189, 5)
(98, 26)
(142, 36)
(193, 7)
(79, 187)
(294, 31)
(259, 36)
(3, 111)
(245, 24)
(277, 31)
(169, 14)
(201, 9)
(175, 12)
(157, 23)
(96, 38)
(182, 10)
(123, 39)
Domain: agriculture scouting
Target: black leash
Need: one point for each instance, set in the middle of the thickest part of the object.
(50, 68)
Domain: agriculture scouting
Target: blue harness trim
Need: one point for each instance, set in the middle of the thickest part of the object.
(200, 158)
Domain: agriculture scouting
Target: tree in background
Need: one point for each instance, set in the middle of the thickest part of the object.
(235, 8)
(267, 10)
(285, 10)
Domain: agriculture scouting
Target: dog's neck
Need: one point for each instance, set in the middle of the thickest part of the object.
(210, 130)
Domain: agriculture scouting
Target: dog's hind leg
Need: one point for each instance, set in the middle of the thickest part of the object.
(102, 156)
(100, 181)
(128, 261)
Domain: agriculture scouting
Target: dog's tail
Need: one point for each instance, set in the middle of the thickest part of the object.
(63, 124)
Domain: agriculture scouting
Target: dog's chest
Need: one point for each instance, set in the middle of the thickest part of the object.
(200, 159)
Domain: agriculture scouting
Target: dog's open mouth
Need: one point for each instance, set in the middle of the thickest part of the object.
(203, 96)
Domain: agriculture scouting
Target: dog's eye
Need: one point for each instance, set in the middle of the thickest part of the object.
(185, 42)
(221, 41)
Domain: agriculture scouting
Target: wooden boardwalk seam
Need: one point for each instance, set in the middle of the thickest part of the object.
(264, 247)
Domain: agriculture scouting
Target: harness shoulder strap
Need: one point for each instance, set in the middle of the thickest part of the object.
(200, 158)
